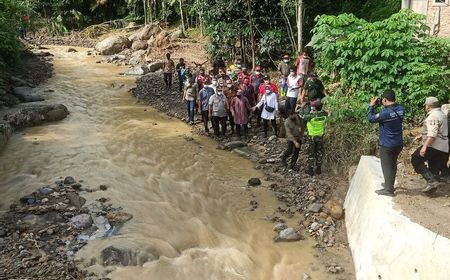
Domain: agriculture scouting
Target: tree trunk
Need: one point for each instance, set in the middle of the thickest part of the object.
(299, 25)
(145, 12)
(183, 28)
(252, 36)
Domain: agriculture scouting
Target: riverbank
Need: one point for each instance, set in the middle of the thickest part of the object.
(315, 202)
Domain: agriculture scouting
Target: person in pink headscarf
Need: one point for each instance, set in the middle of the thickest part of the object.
(240, 108)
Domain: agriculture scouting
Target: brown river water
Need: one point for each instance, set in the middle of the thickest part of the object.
(188, 199)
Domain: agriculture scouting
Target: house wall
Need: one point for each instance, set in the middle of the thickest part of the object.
(433, 10)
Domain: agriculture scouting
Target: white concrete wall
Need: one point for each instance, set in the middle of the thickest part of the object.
(384, 243)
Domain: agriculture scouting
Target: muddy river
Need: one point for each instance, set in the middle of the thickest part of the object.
(188, 199)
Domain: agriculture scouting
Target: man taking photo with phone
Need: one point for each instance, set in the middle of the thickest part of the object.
(390, 119)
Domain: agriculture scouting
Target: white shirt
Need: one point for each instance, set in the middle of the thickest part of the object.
(293, 86)
(271, 101)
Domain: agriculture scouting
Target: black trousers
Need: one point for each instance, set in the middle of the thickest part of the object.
(222, 121)
(168, 79)
(437, 161)
(231, 120)
(291, 150)
(389, 156)
(266, 126)
(238, 129)
(205, 118)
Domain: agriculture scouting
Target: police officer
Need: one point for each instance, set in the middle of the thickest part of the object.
(390, 119)
(435, 147)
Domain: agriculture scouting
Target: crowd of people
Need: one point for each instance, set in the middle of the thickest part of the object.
(236, 97)
(233, 99)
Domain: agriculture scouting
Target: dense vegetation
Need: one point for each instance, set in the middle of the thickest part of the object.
(227, 22)
(361, 59)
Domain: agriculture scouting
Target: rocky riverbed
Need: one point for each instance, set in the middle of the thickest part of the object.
(315, 201)
(41, 233)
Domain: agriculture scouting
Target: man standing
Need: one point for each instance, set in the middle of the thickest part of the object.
(294, 83)
(294, 131)
(230, 93)
(203, 102)
(313, 89)
(218, 112)
(190, 96)
(169, 67)
(435, 148)
(181, 70)
(315, 123)
(391, 137)
(283, 68)
(303, 64)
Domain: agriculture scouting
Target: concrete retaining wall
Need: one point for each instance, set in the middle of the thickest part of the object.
(384, 243)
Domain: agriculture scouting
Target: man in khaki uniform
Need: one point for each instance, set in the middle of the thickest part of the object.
(435, 148)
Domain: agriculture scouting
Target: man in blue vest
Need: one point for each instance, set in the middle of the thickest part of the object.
(390, 119)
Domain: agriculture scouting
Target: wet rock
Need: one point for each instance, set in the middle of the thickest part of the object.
(20, 82)
(46, 190)
(72, 50)
(334, 208)
(26, 94)
(2, 232)
(279, 227)
(28, 199)
(76, 200)
(118, 217)
(235, 144)
(254, 182)
(137, 57)
(69, 180)
(81, 221)
(137, 70)
(76, 186)
(112, 45)
(315, 207)
(56, 114)
(114, 256)
(155, 66)
(139, 45)
(288, 234)
(272, 138)
(103, 187)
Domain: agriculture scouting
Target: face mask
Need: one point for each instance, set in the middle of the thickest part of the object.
(228, 72)
(214, 83)
(219, 92)
(268, 91)
(257, 72)
(229, 86)
(292, 73)
(286, 61)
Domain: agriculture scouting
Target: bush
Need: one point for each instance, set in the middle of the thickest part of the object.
(10, 15)
(362, 59)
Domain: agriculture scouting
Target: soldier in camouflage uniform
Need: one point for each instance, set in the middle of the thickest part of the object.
(315, 123)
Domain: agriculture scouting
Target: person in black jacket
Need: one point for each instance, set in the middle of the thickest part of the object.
(390, 119)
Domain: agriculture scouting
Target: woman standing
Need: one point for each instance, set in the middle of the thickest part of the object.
(269, 105)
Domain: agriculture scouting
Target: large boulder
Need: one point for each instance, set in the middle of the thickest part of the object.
(155, 66)
(137, 57)
(162, 39)
(137, 70)
(151, 42)
(178, 34)
(26, 94)
(139, 45)
(57, 113)
(145, 33)
(35, 115)
(112, 45)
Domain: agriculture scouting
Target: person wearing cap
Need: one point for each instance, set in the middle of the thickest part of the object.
(315, 124)
(390, 119)
(267, 83)
(435, 148)
(283, 68)
(203, 102)
(313, 89)
(218, 112)
(190, 96)
(268, 105)
(240, 108)
(294, 83)
(294, 128)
